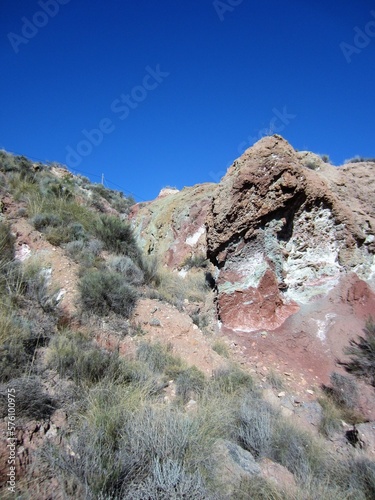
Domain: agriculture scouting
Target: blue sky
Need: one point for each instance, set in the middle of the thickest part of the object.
(155, 93)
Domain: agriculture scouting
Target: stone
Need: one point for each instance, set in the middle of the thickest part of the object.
(233, 463)
(366, 433)
(278, 475)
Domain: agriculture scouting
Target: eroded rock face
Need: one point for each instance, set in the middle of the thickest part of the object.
(173, 226)
(282, 236)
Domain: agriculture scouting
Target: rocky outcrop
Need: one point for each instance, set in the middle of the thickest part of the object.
(172, 227)
(282, 235)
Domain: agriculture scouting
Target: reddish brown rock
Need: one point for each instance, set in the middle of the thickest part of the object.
(282, 235)
(255, 308)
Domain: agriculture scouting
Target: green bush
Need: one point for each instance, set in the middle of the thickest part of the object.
(115, 198)
(199, 261)
(298, 451)
(158, 358)
(74, 357)
(104, 291)
(124, 265)
(343, 391)
(362, 354)
(6, 245)
(221, 348)
(255, 427)
(117, 236)
(190, 383)
(258, 488)
(30, 399)
(15, 351)
(231, 380)
(42, 221)
(138, 453)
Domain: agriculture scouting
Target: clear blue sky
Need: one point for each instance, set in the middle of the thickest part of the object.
(181, 88)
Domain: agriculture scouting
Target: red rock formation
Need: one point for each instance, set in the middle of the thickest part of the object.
(282, 235)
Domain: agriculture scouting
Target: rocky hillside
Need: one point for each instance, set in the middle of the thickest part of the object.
(291, 239)
(187, 347)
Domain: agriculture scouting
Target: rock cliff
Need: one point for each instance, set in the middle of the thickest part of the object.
(282, 235)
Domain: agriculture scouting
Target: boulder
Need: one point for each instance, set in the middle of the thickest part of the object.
(233, 464)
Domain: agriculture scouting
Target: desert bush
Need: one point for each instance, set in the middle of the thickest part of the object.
(57, 230)
(169, 479)
(76, 249)
(221, 348)
(199, 261)
(343, 391)
(25, 330)
(31, 400)
(127, 268)
(150, 267)
(189, 383)
(325, 158)
(84, 252)
(298, 451)
(331, 417)
(255, 427)
(14, 355)
(312, 165)
(200, 319)
(35, 279)
(362, 477)
(275, 380)
(51, 185)
(115, 198)
(117, 236)
(175, 290)
(6, 245)
(359, 159)
(105, 291)
(159, 358)
(231, 380)
(67, 212)
(7, 163)
(258, 488)
(74, 357)
(124, 449)
(94, 246)
(362, 354)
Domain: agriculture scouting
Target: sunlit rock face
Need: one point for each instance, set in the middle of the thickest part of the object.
(282, 235)
(172, 227)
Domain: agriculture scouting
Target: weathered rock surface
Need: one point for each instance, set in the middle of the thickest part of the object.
(292, 239)
(282, 235)
(233, 464)
(173, 226)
